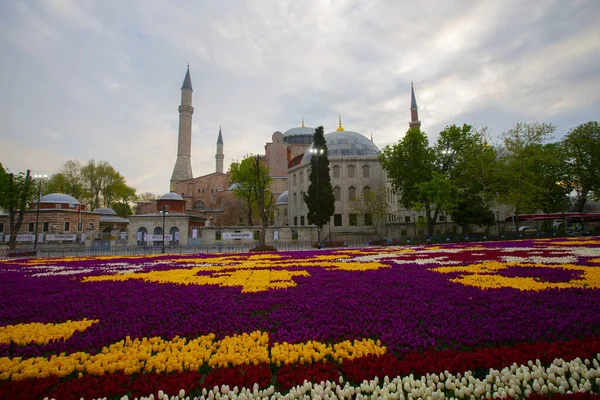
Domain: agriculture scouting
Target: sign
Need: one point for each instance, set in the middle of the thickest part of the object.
(61, 236)
(238, 235)
(194, 233)
(157, 238)
(82, 238)
(122, 235)
(25, 238)
(275, 235)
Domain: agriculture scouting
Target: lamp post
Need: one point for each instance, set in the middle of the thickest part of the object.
(498, 222)
(415, 223)
(164, 211)
(317, 152)
(37, 211)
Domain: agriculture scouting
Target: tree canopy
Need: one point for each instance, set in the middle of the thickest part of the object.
(16, 191)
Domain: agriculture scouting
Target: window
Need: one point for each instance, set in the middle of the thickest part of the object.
(302, 220)
(336, 171)
(366, 191)
(285, 212)
(351, 193)
(337, 219)
(67, 226)
(301, 178)
(295, 221)
(141, 236)
(407, 218)
(295, 199)
(337, 193)
(294, 234)
(368, 220)
(218, 235)
(199, 205)
(366, 171)
(442, 218)
(31, 227)
(256, 235)
(91, 226)
(158, 231)
(45, 226)
(294, 180)
(351, 171)
(353, 219)
(1, 226)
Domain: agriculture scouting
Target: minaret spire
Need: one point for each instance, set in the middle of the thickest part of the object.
(303, 122)
(414, 112)
(340, 128)
(183, 165)
(219, 156)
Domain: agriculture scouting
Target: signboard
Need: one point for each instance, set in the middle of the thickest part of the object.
(25, 238)
(61, 236)
(238, 235)
(157, 238)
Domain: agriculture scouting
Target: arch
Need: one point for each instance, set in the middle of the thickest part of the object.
(301, 178)
(141, 236)
(336, 171)
(174, 232)
(199, 205)
(366, 171)
(295, 199)
(366, 191)
(294, 183)
(285, 212)
(351, 193)
(337, 193)
(351, 171)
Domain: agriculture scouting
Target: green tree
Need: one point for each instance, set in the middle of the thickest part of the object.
(373, 203)
(522, 158)
(15, 192)
(582, 145)
(242, 185)
(261, 183)
(319, 198)
(67, 180)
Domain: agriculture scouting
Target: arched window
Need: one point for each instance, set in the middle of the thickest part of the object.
(285, 212)
(351, 193)
(336, 171)
(295, 199)
(366, 191)
(141, 236)
(199, 205)
(337, 193)
(301, 178)
(366, 171)
(158, 231)
(351, 171)
(174, 232)
(294, 180)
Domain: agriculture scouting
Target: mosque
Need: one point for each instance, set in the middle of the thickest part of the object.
(353, 163)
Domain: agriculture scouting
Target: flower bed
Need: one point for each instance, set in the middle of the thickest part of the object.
(459, 320)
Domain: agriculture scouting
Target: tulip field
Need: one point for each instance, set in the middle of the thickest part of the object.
(482, 320)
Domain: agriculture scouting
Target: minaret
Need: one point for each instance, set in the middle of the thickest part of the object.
(219, 156)
(183, 165)
(414, 113)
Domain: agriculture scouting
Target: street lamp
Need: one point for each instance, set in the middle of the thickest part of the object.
(317, 152)
(164, 211)
(37, 212)
(415, 222)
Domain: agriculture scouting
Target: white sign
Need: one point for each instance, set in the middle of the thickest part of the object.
(25, 238)
(82, 238)
(61, 236)
(157, 238)
(275, 235)
(194, 233)
(122, 235)
(238, 235)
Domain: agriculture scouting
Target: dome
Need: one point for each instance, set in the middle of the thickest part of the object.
(233, 186)
(346, 144)
(282, 199)
(299, 135)
(105, 211)
(59, 198)
(171, 196)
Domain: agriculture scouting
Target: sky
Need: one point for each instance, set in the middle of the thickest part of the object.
(101, 79)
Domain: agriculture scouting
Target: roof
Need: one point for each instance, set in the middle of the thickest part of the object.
(345, 144)
(113, 219)
(171, 196)
(59, 198)
(105, 211)
(413, 99)
(282, 199)
(220, 139)
(299, 131)
(187, 81)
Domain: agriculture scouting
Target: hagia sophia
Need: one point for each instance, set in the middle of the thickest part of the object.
(352, 160)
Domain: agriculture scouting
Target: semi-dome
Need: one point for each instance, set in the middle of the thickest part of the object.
(171, 196)
(105, 211)
(299, 135)
(345, 144)
(282, 199)
(59, 198)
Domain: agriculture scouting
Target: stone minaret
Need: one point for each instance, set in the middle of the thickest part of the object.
(219, 156)
(183, 165)
(414, 113)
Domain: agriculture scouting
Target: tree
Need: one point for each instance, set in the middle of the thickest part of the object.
(146, 197)
(242, 184)
(372, 203)
(522, 156)
(15, 192)
(67, 180)
(319, 198)
(582, 145)
(261, 182)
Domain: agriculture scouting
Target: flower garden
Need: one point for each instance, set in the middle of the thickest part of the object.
(468, 320)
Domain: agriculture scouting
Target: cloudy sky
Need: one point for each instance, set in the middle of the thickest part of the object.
(101, 80)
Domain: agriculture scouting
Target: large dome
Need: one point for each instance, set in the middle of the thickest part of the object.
(346, 144)
(299, 135)
(59, 198)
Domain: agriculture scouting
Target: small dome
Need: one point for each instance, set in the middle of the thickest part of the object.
(299, 135)
(282, 199)
(59, 198)
(233, 186)
(105, 211)
(346, 144)
(171, 196)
